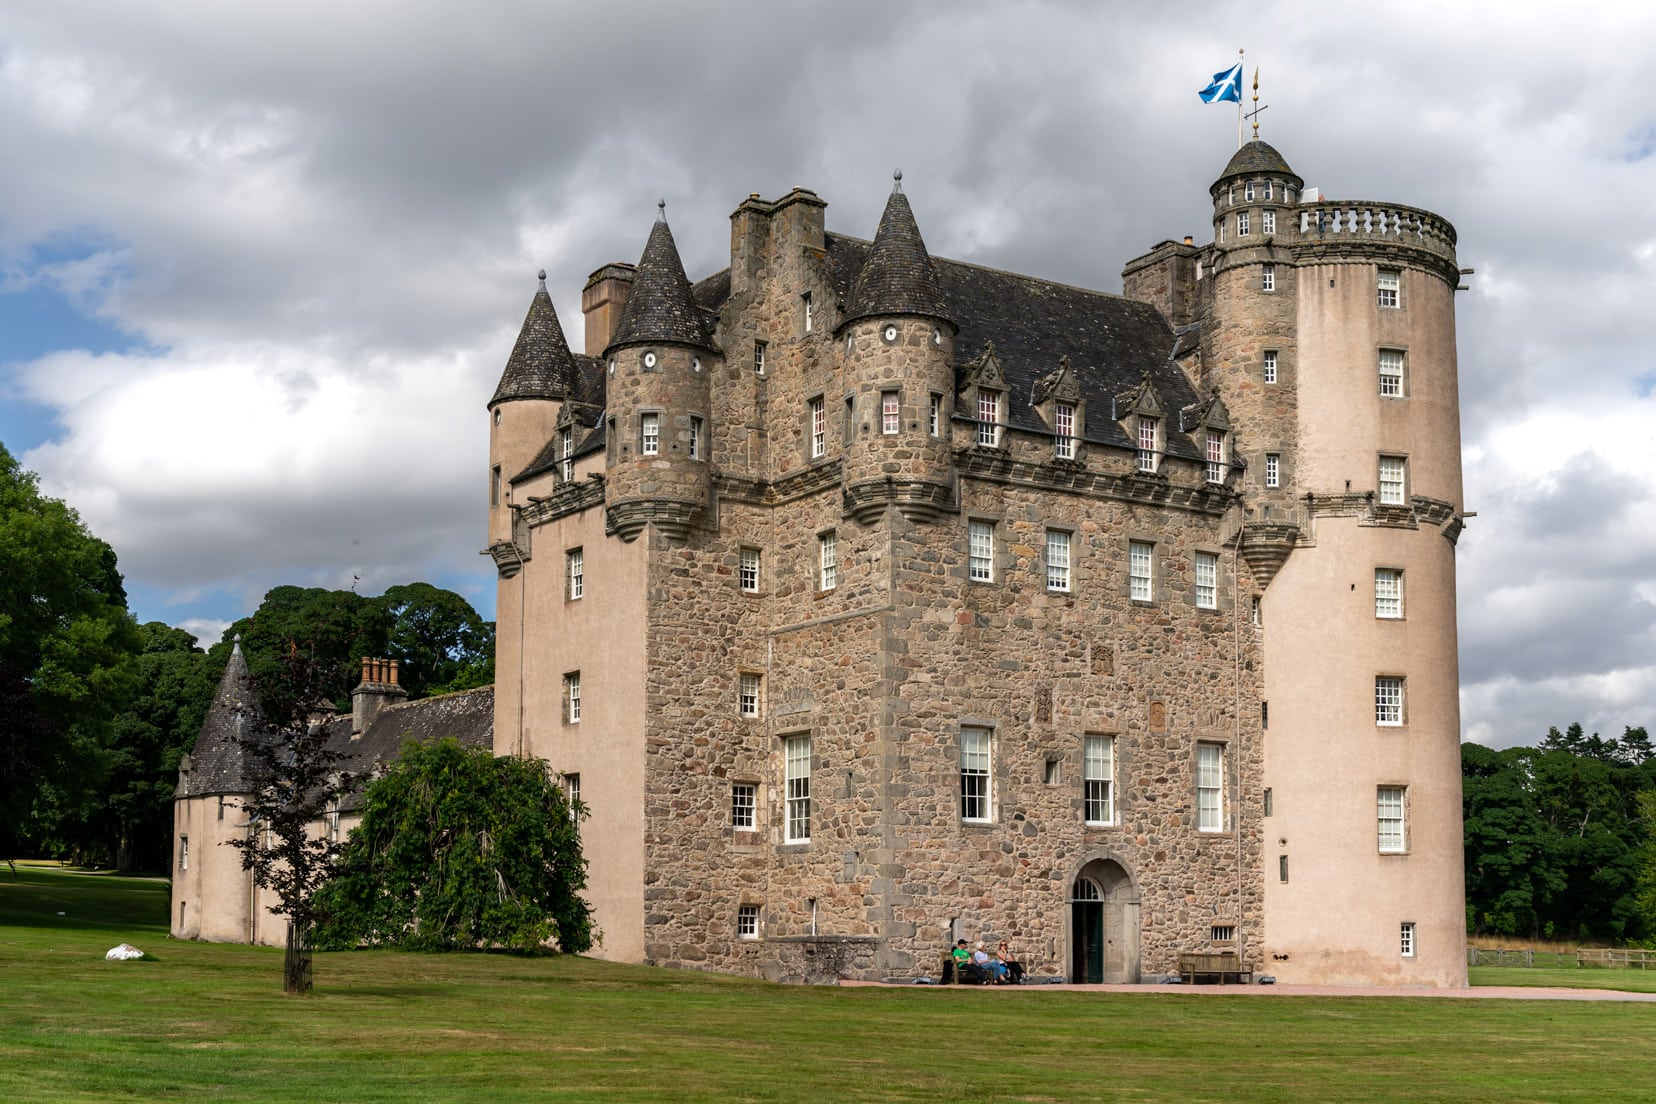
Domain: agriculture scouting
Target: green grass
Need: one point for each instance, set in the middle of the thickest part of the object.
(1569, 977)
(208, 1021)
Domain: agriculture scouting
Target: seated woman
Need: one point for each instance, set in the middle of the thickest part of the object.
(993, 968)
(1014, 969)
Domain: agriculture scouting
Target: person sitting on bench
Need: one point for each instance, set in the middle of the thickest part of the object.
(995, 971)
(1014, 968)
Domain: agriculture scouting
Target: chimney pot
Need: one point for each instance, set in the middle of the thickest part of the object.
(1189, 240)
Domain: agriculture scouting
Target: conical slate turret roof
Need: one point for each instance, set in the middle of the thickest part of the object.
(897, 277)
(541, 366)
(217, 763)
(661, 307)
(1257, 157)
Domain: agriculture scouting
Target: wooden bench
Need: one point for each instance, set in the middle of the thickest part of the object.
(948, 974)
(1214, 968)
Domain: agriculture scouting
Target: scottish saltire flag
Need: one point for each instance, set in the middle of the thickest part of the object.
(1225, 86)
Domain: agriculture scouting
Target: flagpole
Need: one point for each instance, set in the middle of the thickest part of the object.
(1242, 55)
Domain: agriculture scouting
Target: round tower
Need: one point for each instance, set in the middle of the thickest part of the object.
(523, 412)
(1330, 328)
(657, 370)
(897, 344)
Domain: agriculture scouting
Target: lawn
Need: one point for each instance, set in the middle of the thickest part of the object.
(206, 1021)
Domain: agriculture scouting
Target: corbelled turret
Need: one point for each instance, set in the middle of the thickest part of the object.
(540, 375)
(898, 344)
(657, 369)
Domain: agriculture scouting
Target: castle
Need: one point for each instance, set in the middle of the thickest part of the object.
(869, 600)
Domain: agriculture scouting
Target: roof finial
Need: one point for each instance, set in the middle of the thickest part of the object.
(661, 210)
(1256, 110)
(897, 176)
(542, 277)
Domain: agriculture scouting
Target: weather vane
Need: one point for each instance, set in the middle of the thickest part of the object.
(1254, 114)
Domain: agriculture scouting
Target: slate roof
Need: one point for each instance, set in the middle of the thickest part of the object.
(467, 716)
(540, 366)
(897, 276)
(216, 762)
(1256, 157)
(1112, 342)
(660, 307)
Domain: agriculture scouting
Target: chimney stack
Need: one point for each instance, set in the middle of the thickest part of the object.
(377, 690)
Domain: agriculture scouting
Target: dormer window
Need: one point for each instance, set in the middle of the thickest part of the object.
(989, 419)
(1063, 425)
(566, 451)
(1149, 443)
(1215, 455)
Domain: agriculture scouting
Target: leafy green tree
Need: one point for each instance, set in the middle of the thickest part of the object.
(461, 850)
(294, 781)
(334, 629)
(175, 686)
(65, 638)
(1647, 864)
(438, 639)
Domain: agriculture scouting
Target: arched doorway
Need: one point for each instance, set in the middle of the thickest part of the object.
(1104, 925)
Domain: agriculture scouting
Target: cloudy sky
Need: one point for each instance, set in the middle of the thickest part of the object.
(261, 264)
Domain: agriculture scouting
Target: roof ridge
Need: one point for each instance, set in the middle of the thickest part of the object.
(1004, 272)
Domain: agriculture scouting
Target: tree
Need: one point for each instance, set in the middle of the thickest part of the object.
(461, 850)
(293, 781)
(335, 629)
(65, 637)
(439, 640)
(1647, 861)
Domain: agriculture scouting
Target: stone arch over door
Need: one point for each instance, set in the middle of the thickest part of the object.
(1103, 924)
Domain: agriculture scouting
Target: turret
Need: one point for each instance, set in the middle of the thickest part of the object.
(657, 370)
(897, 340)
(523, 413)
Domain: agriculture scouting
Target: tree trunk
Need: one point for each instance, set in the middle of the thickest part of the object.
(296, 964)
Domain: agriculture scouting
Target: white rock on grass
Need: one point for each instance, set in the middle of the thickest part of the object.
(124, 952)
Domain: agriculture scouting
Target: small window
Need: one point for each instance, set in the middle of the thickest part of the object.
(849, 422)
(891, 418)
(1267, 801)
(758, 358)
(989, 419)
(1054, 773)
(1388, 700)
(494, 485)
(1391, 373)
(981, 551)
(1242, 229)
(744, 805)
(1063, 431)
(1406, 938)
(810, 316)
(572, 795)
(1058, 561)
(819, 428)
(974, 774)
(183, 852)
(1207, 580)
(747, 921)
(747, 572)
(936, 415)
(1215, 456)
(1149, 442)
(1388, 286)
(566, 452)
(1388, 593)
(1393, 481)
(1270, 365)
(748, 693)
(572, 697)
(1210, 788)
(1267, 187)
(575, 571)
(649, 435)
(1098, 785)
(1267, 224)
(1273, 469)
(1248, 192)
(695, 438)
(827, 561)
(1222, 933)
(1139, 568)
(1267, 273)
(796, 752)
(1282, 868)
(1393, 831)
